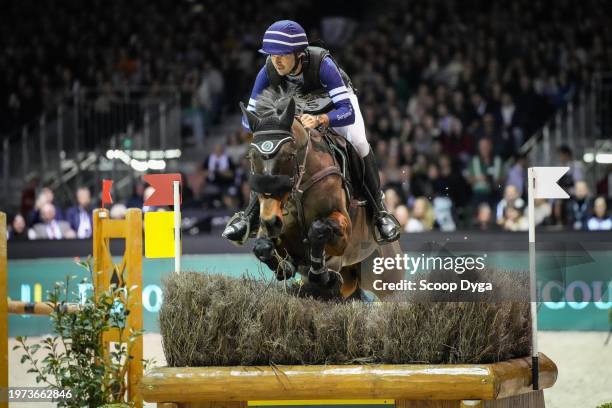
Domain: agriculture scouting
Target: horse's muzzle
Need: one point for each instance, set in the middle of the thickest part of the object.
(273, 225)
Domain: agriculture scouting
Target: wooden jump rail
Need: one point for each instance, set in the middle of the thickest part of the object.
(104, 229)
(39, 308)
(505, 384)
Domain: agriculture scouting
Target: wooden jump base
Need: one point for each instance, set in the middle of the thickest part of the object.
(503, 384)
(130, 230)
(104, 229)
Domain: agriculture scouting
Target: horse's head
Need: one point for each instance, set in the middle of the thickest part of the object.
(274, 162)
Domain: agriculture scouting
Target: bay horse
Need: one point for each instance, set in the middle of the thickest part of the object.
(308, 222)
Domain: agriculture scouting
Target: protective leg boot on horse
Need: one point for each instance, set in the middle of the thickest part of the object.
(385, 222)
(243, 224)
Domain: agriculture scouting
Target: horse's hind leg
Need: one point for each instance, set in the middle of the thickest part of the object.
(327, 236)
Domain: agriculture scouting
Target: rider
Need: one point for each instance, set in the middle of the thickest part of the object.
(313, 71)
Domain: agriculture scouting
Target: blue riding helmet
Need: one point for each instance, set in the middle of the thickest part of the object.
(284, 37)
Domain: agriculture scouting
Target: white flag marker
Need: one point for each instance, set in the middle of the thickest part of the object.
(546, 179)
(541, 183)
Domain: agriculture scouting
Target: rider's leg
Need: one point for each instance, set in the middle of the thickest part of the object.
(244, 223)
(385, 223)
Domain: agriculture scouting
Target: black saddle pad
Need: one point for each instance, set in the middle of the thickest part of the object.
(349, 161)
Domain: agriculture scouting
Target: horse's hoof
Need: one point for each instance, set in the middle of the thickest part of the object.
(320, 277)
(286, 270)
(335, 280)
(263, 249)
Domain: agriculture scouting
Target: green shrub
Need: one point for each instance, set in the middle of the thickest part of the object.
(606, 405)
(74, 357)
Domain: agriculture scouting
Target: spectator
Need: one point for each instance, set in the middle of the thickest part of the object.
(422, 218)
(507, 116)
(28, 196)
(485, 172)
(234, 148)
(118, 211)
(542, 211)
(392, 199)
(458, 143)
(49, 227)
(517, 175)
(575, 173)
(137, 198)
(402, 215)
(442, 208)
(454, 184)
(511, 197)
(579, 206)
(45, 196)
(219, 174)
(484, 218)
(600, 221)
(196, 97)
(17, 231)
(79, 216)
(514, 220)
(148, 192)
(436, 186)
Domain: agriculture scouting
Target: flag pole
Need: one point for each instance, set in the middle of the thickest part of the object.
(177, 225)
(532, 279)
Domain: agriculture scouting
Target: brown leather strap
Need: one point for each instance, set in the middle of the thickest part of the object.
(318, 176)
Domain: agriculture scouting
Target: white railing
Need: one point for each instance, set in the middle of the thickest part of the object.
(60, 144)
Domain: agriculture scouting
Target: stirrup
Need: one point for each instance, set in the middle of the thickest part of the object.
(377, 237)
(245, 237)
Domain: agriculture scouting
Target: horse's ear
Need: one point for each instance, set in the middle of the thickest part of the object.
(286, 117)
(251, 117)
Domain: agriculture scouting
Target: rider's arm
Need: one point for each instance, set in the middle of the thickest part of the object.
(261, 83)
(343, 113)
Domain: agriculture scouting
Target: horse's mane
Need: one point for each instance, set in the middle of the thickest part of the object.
(274, 101)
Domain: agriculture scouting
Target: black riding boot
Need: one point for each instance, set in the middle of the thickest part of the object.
(242, 224)
(387, 225)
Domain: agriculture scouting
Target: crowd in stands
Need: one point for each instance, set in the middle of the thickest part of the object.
(449, 91)
(420, 203)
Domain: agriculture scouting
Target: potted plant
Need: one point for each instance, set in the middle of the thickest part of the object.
(74, 357)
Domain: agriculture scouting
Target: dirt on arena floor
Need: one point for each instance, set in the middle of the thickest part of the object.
(585, 368)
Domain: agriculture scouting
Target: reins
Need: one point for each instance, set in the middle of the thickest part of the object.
(298, 190)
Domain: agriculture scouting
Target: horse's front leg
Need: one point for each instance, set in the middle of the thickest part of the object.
(267, 252)
(327, 236)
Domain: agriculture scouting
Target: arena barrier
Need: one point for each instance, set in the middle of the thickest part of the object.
(105, 273)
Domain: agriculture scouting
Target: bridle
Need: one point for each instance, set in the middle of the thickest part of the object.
(298, 186)
(269, 147)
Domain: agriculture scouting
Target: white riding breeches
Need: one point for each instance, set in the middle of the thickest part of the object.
(355, 133)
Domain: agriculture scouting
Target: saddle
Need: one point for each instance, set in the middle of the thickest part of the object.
(350, 164)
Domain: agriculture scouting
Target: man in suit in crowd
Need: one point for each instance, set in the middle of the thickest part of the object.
(79, 216)
(49, 228)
